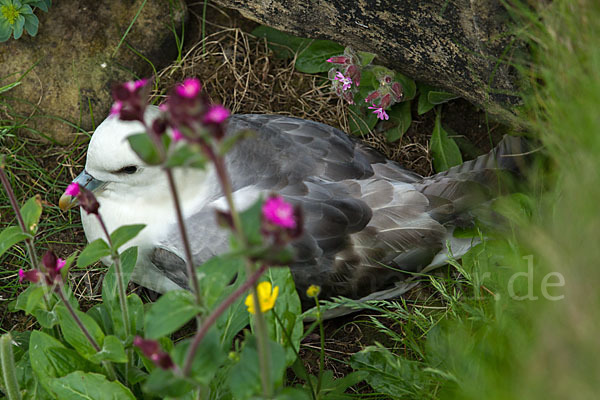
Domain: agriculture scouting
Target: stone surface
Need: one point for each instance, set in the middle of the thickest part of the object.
(452, 44)
(72, 63)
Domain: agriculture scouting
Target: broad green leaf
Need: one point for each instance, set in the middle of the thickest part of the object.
(365, 58)
(244, 379)
(18, 26)
(313, 59)
(47, 319)
(439, 97)
(409, 88)
(88, 386)
(283, 44)
(169, 313)
(186, 156)
(31, 24)
(401, 115)
(165, 384)
(73, 334)
(209, 357)
(136, 313)
(424, 104)
(109, 284)
(287, 308)
(445, 151)
(31, 212)
(112, 350)
(93, 252)
(215, 275)
(101, 315)
(50, 359)
(5, 29)
(124, 234)
(31, 299)
(145, 148)
(11, 236)
(251, 221)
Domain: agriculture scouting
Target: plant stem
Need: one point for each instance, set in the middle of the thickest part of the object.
(212, 318)
(261, 335)
(11, 385)
(13, 202)
(322, 355)
(120, 284)
(189, 262)
(86, 333)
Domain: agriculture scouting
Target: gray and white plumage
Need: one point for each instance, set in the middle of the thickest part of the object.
(369, 223)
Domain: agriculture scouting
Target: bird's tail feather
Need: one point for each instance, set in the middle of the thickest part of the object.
(474, 182)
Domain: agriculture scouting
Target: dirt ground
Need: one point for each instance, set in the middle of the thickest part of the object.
(239, 71)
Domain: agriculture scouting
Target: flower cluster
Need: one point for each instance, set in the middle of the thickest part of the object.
(151, 349)
(49, 275)
(345, 75)
(281, 221)
(131, 100)
(86, 198)
(346, 83)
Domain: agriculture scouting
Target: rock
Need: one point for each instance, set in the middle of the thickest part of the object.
(454, 45)
(72, 63)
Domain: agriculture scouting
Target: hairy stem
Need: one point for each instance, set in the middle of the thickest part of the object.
(11, 385)
(212, 318)
(322, 354)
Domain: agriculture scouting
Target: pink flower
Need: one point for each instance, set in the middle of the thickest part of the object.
(216, 114)
(33, 276)
(72, 189)
(177, 135)
(164, 107)
(116, 108)
(337, 60)
(151, 349)
(279, 212)
(189, 89)
(381, 114)
(60, 263)
(371, 97)
(21, 275)
(346, 82)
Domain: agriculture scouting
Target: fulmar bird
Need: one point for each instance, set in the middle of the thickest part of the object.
(369, 223)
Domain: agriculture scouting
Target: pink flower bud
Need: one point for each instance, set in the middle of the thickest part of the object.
(372, 96)
(216, 114)
(397, 91)
(279, 212)
(72, 189)
(177, 135)
(151, 349)
(337, 60)
(189, 89)
(33, 275)
(385, 101)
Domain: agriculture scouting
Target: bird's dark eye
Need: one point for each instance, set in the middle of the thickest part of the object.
(130, 169)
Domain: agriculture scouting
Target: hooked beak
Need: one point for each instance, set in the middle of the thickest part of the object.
(85, 180)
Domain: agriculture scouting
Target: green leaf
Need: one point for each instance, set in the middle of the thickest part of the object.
(424, 104)
(444, 150)
(440, 97)
(31, 299)
(409, 88)
(185, 155)
(5, 29)
(283, 44)
(215, 275)
(169, 313)
(18, 26)
(145, 148)
(244, 379)
(93, 252)
(112, 350)
(365, 58)
(11, 236)
(165, 384)
(124, 234)
(251, 221)
(73, 334)
(47, 319)
(288, 308)
(50, 359)
(31, 24)
(208, 359)
(31, 212)
(400, 114)
(313, 59)
(8, 87)
(88, 386)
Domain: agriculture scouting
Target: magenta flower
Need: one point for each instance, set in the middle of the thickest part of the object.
(189, 88)
(381, 114)
(116, 108)
(60, 263)
(33, 275)
(216, 114)
(151, 349)
(346, 82)
(279, 212)
(177, 135)
(72, 189)
(337, 60)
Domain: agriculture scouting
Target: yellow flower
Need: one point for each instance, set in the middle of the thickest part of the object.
(266, 297)
(313, 291)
